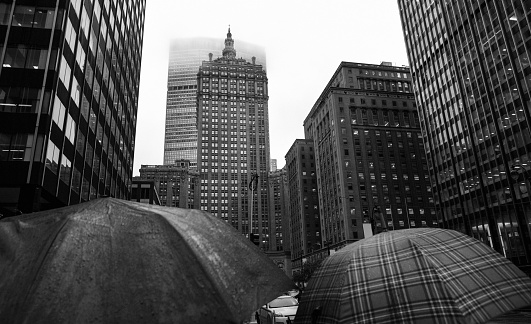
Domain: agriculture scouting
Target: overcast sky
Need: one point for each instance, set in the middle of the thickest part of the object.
(305, 42)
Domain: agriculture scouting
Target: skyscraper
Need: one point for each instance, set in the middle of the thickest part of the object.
(278, 212)
(303, 200)
(186, 56)
(69, 84)
(233, 134)
(472, 80)
(369, 154)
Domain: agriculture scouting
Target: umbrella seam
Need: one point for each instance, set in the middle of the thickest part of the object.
(163, 212)
(38, 270)
(183, 238)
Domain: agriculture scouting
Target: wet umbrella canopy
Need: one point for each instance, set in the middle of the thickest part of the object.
(424, 275)
(116, 261)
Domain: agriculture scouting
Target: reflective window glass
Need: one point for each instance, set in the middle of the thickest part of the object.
(43, 18)
(23, 16)
(5, 11)
(15, 57)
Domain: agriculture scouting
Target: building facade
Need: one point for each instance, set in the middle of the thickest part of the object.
(273, 165)
(186, 56)
(177, 184)
(303, 200)
(145, 191)
(233, 137)
(369, 155)
(278, 211)
(69, 84)
(472, 80)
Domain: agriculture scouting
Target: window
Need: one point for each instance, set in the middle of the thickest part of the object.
(76, 91)
(85, 22)
(76, 3)
(52, 157)
(70, 35)
(15, 147)
(70, 131)
(65, 73)
(21, 100)
(58, 114)
(15, 57)
(5, 11)
(23, 16)
(66, 166)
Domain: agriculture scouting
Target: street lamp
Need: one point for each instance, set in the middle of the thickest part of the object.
(303, 261)
(253, 184)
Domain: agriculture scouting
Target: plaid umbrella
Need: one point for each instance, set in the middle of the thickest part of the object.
(426, 275)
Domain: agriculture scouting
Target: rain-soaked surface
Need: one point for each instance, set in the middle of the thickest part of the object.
(130, 262)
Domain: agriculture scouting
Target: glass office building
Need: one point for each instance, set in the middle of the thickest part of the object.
(186, 56)
(472, 81)
(69, 84)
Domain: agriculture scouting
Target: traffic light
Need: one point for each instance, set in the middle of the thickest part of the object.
(255, 238)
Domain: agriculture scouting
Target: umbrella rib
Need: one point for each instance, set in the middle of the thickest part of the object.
(200, 260)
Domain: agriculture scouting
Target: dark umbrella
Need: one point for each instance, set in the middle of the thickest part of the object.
(425, 275)
(114, 261)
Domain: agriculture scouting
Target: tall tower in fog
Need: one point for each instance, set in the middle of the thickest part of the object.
(186, 56)
(233, 139)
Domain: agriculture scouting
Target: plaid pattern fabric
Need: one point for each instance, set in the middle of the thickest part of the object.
(425, 275)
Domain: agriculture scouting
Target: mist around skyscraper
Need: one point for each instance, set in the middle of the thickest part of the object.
(186, 54)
